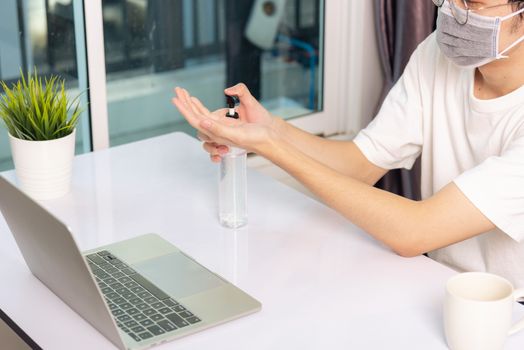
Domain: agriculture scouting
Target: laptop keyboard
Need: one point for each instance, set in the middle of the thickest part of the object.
(140, 308)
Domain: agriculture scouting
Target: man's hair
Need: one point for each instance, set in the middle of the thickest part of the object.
(517, 5)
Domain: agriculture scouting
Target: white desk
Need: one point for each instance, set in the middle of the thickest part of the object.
(323, 283)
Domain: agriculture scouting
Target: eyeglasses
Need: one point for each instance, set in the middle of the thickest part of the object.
(460, 9)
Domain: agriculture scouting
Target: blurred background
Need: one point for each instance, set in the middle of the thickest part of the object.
(153, 45)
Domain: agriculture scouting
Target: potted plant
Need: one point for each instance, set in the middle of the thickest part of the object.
(41, 121)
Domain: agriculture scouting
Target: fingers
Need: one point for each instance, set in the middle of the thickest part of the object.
(201, 119)
(184, 94)
(239, 90)
(215, 149)
(181, 96)
(242, 92)
(181, 101)
(186, 111)
(187, 107)
(199, 106)
(203, 137)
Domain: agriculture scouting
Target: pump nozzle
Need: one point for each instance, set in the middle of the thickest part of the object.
(231, 103)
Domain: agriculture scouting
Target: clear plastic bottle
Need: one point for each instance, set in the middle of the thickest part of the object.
(232, 189)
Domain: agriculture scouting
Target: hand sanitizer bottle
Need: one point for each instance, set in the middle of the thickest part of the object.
(232, 187)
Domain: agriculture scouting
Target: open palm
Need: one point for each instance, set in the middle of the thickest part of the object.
(218, 131)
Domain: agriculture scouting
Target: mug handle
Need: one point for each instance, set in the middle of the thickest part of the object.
(517, 294)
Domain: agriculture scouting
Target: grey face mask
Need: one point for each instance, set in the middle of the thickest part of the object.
(475, 43)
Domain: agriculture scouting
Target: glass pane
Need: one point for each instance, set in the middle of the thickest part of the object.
(44, 34)
(275, 47)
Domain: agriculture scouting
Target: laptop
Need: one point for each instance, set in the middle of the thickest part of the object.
(138, 293)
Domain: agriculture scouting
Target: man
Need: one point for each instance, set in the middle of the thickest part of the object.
(459, 104)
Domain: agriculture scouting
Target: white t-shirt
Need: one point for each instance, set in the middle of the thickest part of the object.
(477, 144)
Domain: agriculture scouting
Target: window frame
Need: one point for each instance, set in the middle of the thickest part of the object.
(338, 75)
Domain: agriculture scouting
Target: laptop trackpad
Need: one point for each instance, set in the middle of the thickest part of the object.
(177, 275)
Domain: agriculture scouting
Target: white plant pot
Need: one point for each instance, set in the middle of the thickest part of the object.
(44, 168)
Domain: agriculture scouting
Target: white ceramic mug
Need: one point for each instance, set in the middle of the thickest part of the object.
(477, 311)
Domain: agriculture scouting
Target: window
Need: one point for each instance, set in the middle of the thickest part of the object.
(46, 35)
(131, 53)
(153, 45)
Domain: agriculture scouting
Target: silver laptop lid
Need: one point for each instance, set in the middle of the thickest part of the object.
(52, 255)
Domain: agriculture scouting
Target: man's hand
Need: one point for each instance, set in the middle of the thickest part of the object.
(251, 131)
(249, 110)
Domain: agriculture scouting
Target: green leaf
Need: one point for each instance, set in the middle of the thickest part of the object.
(37, 108)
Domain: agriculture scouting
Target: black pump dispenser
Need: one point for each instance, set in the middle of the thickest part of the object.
(231, 103)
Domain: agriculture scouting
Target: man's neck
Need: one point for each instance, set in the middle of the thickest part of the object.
(500, 77)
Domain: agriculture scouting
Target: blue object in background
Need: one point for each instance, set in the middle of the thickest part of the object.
(312, 63)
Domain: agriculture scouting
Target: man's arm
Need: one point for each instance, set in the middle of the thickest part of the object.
(343, 156)
(408, 227)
